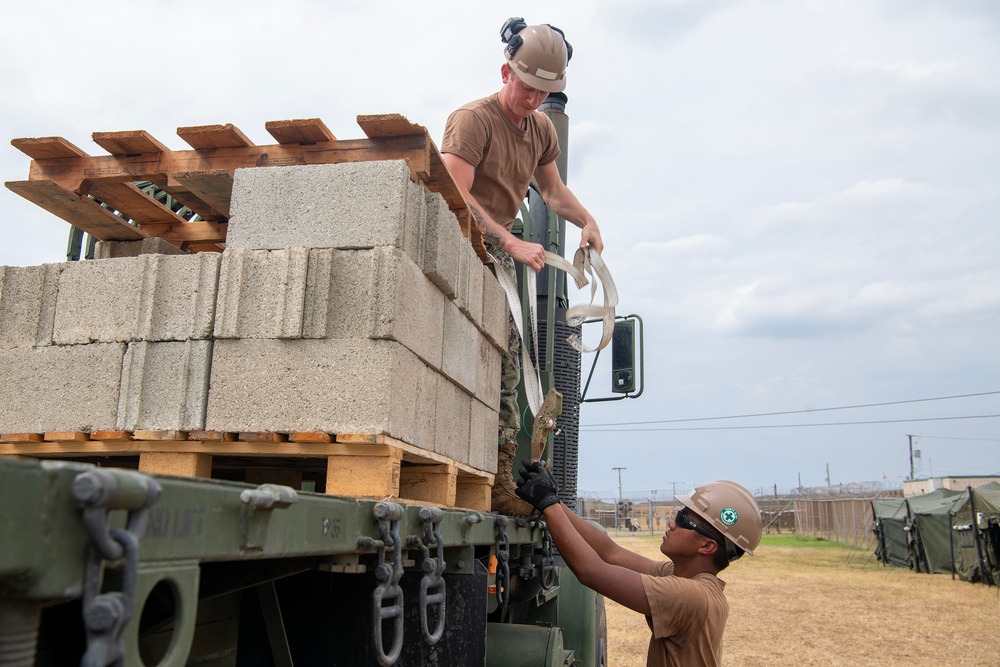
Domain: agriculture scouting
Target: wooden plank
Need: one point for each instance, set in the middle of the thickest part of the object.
(66, 436)
(81, 212)
(214, 187)
(309, 436)
(160, 435)
(43, 148)
(305, 131)
(474, 493)
(200, 246)
(429, 483)
(212, 436)
(133, 202)
(21, 437)
(213, 136)
(172, 463)
(111, 436)
(263, 436)
(388, 125)
(128, 142)
(373, 474)
(76, 173)
(180, 233)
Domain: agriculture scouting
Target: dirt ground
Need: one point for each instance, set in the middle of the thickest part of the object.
(801, 601)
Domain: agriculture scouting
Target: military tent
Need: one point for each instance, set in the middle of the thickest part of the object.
(931, 535)
(890, 523)
(977, 525)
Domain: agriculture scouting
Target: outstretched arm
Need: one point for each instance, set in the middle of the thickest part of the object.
(561, 199)
(595, 559)
(463, 173)
(618, 582)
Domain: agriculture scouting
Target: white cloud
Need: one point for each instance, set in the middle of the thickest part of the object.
(882, 189)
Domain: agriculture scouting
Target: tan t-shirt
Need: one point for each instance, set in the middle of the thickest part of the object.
(688, 618)
(504, 155)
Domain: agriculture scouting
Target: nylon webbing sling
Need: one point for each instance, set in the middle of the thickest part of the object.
(586, 262)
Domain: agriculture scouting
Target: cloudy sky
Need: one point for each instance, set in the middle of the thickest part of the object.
(800, 199)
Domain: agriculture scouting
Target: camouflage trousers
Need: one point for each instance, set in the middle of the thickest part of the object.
(510, 369)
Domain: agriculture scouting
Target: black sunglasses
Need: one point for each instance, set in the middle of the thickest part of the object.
(684, 521)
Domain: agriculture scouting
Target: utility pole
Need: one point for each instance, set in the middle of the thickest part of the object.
(911, 456)
(618, 505)
(619, 482)
(828, 474)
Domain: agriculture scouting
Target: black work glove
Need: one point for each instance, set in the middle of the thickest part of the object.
(537, 485)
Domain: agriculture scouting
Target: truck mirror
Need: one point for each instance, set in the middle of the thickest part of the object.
(623, 357)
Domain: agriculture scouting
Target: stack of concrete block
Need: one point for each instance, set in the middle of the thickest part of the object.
(111, 344)
(347, 301)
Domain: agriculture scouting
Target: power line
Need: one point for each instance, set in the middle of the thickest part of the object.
(955, 437)
(796, 412)
(758, 426)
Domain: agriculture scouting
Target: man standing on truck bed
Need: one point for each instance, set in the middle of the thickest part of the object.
(493, 147)
(683, 599)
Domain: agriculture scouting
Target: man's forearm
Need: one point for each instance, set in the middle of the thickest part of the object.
(493, 233)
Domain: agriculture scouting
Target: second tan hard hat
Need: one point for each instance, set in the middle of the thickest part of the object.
(731, 509)
(539, 57)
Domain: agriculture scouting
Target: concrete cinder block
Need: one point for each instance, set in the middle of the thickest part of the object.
(415, 221)
(454, 412)
(340, 288)
(488, 372)
(408, 307)
(441, 240)
(327, 385)
(261, 293)
(465, 264)
(426, 412)
(459, 348)
(28, 304)
(378, 293)
(474, 296)
(177, 298)
(98, 301)
(151, 246)
(151, 297)
(483, 437)
(60, 388)
(346, 205)
(164, 386)
(496, 311)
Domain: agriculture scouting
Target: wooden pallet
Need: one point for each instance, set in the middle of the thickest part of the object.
(71, 184)
(356, 465)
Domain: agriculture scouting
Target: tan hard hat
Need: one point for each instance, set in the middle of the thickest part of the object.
(730, 509)
(539, 58)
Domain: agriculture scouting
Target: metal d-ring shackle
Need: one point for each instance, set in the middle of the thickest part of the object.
(105, 615)
(503, 560)
(388, 575)
(433, 568)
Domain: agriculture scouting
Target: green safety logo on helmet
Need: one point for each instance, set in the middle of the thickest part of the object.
(729, 516)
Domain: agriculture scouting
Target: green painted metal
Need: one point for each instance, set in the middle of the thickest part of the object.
(200, 520)
(509, 645)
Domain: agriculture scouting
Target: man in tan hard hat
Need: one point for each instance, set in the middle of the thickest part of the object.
(682, 599)
(493, 147)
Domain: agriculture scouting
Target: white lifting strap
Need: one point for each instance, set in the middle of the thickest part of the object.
(586, 262)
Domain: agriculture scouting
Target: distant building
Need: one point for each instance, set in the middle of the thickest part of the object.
(919, 487)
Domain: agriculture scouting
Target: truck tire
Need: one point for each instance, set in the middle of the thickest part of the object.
(601, 633)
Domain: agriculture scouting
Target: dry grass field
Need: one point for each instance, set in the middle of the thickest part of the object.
(803, 601)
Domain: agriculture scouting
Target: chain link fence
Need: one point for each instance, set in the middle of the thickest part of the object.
(839, 513)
